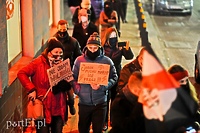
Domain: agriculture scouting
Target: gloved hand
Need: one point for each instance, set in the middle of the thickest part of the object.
(62, 86)
(32, 96)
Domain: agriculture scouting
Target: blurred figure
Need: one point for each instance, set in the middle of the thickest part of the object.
(127, 112)
(72, 51)
(124, 9)
(98, 7)
(115, 53)
(34, 79)
(117, 6)
(73, 4)
(93, 97)
(85, 4)
(128, 69)
(182, 76)
(84, 29)
(108, 18)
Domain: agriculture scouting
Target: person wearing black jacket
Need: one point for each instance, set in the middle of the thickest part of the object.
(127, 112)
(85, 4)
(84, 29)
(71, 51)
(128, 69)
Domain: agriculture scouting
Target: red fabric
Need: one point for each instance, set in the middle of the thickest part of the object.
(179, 75)
(37, 70)
(160, 80)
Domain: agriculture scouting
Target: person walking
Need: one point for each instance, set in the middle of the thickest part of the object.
(127, 112)
(84, 29)
(115, 52)
(128, 69)
(34, 79)
(98, 7)
(71, 51)
(92, 97)
(85, 4)
(108, 18)
(124, 9)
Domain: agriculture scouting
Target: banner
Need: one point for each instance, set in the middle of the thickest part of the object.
(93, 73)
(60, 72)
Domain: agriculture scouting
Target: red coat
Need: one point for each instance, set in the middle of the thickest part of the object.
(34, 75)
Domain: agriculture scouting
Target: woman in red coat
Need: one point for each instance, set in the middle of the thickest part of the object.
(34, 79)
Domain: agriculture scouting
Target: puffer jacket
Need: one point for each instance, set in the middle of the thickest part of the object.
(34, 77)
(88, 96)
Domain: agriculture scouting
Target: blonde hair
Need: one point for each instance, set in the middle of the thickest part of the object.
(107, 35)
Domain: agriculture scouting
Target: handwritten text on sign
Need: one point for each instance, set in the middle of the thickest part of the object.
(60, 72)
(93, 73)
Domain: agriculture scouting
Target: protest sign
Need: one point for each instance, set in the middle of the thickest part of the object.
(93, 73)
(60, 72)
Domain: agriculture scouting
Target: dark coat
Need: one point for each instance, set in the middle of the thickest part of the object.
(127, 114)
(72, 48)
(82, 35)
(92, 17)
(126, 72)
(116, 56)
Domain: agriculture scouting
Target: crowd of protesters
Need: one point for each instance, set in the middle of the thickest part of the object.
(95, 41)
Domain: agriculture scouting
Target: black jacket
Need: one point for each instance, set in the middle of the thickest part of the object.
(92, 16)
(116, 56)
(126, 72)
(82, 35)
(127, 114)
(71, 48)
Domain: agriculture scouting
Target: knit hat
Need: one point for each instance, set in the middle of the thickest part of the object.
(94, 39)
(53, 43)
(86, 4)
(178, 72)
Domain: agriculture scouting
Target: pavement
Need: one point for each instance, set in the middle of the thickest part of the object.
(129, 32)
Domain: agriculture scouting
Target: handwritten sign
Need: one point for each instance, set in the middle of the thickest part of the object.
(93, 73)
(60, 72)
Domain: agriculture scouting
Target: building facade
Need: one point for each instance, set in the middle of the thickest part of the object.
(25, 27)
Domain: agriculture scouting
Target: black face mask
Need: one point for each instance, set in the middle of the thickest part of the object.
(92, 56)
(108, 11)
(113, 42)
(63, 34)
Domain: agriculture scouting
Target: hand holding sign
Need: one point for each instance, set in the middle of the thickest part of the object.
(93, 73)
(60, 72)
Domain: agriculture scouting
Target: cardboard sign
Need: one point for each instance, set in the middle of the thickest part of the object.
(93, 73)
(60, 72)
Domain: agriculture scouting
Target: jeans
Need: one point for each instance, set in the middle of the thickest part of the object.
(92, 114)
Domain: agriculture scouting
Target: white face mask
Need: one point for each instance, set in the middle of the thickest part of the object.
(84, 19)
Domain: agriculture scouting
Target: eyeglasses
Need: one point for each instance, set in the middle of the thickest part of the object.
(183, 81)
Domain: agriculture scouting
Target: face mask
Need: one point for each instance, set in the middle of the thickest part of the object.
(92, 56)
(113, 41)
(108, 11)
(55, 59)
(63, 34)
(83, 19)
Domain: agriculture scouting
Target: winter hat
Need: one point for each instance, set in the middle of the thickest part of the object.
(178, 72)
(53, 43)
(86, 4)
(94, 39)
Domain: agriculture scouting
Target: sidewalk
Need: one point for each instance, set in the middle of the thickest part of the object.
(130, 32)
